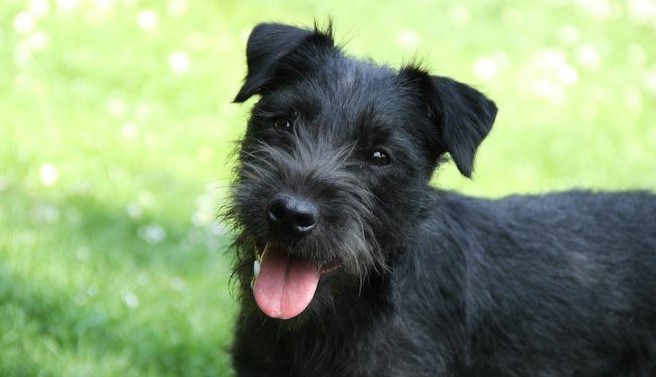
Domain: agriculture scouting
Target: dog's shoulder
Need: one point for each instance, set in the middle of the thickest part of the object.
(593, 222)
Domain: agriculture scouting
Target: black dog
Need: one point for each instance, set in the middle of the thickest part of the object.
(350, 264)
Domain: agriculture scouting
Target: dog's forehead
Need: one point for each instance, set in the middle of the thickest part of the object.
(347, 70)
(347, 88)
(353, 78)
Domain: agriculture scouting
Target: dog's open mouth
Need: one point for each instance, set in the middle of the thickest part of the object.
(284, 286)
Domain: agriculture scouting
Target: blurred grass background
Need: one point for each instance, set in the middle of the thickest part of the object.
(116, 128)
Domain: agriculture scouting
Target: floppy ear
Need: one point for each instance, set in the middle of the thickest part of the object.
(463, 115)
(267, 45)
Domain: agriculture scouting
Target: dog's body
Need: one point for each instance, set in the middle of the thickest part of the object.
(363, 269)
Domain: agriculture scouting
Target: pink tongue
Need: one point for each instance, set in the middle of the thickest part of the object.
(285, 286)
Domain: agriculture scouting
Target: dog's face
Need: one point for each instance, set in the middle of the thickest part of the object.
(334, 162)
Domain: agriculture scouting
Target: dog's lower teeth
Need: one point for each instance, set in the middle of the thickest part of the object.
(256, 268)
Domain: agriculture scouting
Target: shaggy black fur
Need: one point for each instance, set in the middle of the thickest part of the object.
(334, 171)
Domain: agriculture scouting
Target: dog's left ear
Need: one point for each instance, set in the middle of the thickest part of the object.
(268, 46)
(463, 114)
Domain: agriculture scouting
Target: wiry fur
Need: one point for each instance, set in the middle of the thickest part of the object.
(432, 283)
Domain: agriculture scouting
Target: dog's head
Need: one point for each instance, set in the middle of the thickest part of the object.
(335, 162)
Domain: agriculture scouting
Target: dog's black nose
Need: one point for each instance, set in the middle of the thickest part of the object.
(291, 215)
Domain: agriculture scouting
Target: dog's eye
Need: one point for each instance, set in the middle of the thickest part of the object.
(285, 123)
(379, 157)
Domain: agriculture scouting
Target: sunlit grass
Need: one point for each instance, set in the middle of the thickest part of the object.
(116, 129)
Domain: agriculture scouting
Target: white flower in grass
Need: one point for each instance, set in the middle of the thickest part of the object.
(134, 210)
(588, 56)
(143, 279)
(633, 98)
(179, 63)
(548, 75)
(116, 107)
(45, 213)
(48, 174)
(569, 34)
(104, 5)
(38, 41)
(548, 90)
(488, 67)
(599, 9)
(485, 68)
(147, 20)
(177, 284)
(24, 22)
(67, 5)
(650, 80)
(201, 218)
(643, 11)
(130, 299)
(129, 131)
(39, 8)
(152, 233)
(218, 229)
(204, 213)
(408, 38)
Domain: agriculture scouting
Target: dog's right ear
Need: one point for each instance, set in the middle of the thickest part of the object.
(268, 45)
(463, 115)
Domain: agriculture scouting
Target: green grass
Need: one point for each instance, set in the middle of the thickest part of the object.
(116, 128)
